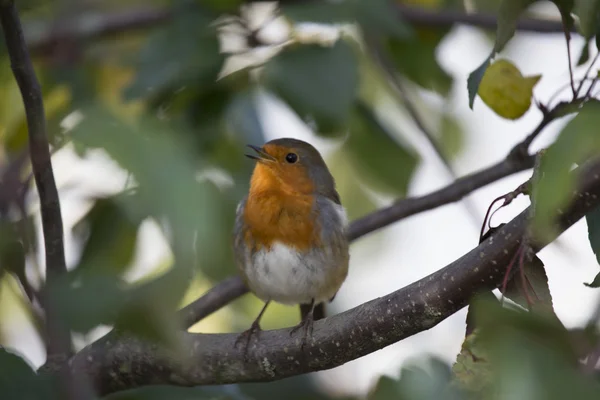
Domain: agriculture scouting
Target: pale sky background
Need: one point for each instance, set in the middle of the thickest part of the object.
(414, 247)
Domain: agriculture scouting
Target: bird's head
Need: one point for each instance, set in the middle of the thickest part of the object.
(291, 165)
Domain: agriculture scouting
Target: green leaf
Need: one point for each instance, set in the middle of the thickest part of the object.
(588, 12)
(577, 142)
(222, 5)
(593, 223)
(452, 136)
(595, 283)
(85, 301)
(162, 392)
(112, 237)
(18, 381)
(319, 11)
(584, 56)
(536, 284)
(184, 53)
(428, 380)
(474, 80)
(243, 115)
(533, 356)
(318, 82)
(383, 162)
(352, 194)
(566, 8)
(416, 59)
(374, 16)
(472, 370)
(508, 14)
(381, 17)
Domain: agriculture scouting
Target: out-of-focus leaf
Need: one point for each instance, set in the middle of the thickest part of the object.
(536, 284)
(381, 17)
(112, 236)
(354, 198)
(222, 5)
(472, 371)
(506, 91)
(316, 81)
(584, 56)
(595, 283)
(86, 301)
(165, 171)
(508, 14)
(163, 392)
(588, 12)
(452, 136)
(325, 12)
(415, 58)
(243, 115)
(299, 387)
(533, 356)
(12, 252)
(184, 53)
(383, 162)
(18, 381)
(374, 16)
(418, 382)
(577, 142)
(565, 7)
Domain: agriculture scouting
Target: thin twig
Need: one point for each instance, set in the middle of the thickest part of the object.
(374, 47)
(587, 73)
(217, 297)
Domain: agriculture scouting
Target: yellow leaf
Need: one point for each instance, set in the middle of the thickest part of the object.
(506, 91)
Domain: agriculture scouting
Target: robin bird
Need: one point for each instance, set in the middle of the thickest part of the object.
(290, 240)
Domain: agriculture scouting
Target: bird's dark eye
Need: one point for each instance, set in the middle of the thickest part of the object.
(291, 158)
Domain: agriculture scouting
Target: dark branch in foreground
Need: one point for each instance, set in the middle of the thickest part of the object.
(116, 363)
(59, 341)
(93, 26)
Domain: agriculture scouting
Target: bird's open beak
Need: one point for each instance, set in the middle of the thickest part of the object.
(261, 156)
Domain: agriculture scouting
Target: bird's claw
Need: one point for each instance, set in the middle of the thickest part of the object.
(307, 325)
(247, 336)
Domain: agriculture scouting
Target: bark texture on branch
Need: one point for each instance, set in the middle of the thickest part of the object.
(116, 363)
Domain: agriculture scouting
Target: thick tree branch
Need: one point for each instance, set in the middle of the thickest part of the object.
(39, 150)
(43, 35)
(116, 363)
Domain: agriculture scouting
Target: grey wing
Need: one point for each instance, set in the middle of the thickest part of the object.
(333, 228)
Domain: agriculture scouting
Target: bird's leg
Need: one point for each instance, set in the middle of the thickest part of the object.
(254, 329)
(306, 323)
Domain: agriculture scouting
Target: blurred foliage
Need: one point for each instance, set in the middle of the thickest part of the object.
(157, 101)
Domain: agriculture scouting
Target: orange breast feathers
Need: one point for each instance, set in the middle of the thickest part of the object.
(280, 210)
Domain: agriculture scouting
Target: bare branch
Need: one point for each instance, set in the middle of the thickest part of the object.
(216, 298)
(375, 48)
(116, 363)
(59, 341)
